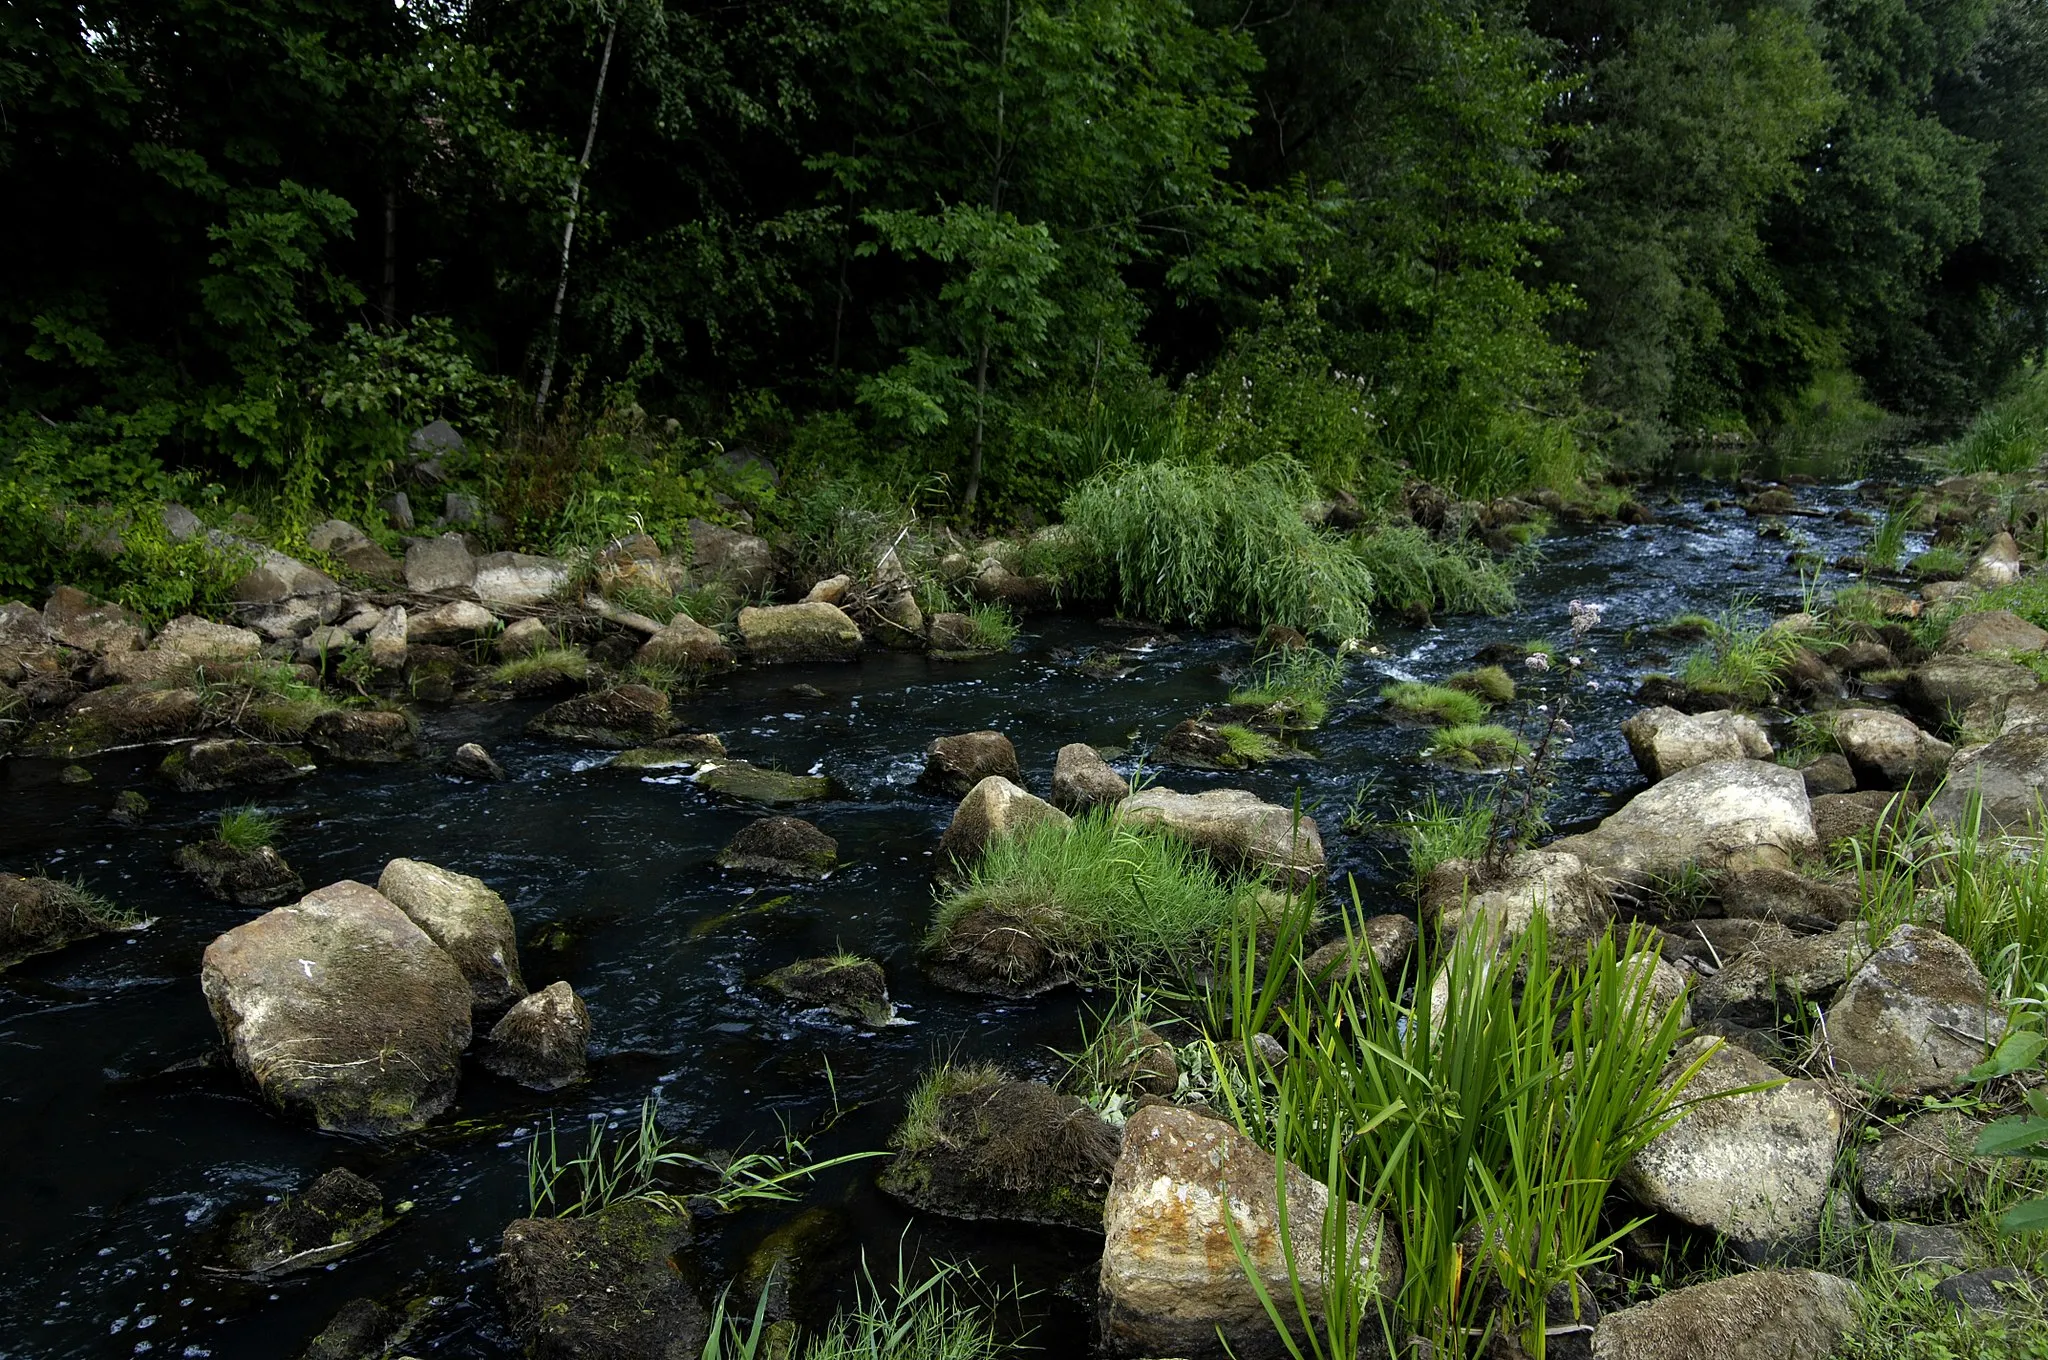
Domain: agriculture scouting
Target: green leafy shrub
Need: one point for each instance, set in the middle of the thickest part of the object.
(1201, 544)
(1412, 569)
(2009, 436)
(1441, 705)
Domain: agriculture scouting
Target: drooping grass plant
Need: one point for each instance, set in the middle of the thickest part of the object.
(1293, 687)
(1742, 660)
(1497, 1107)
(1439, 704)
(1104, 897)
(1247, 746)
(920, 1126)
(1476, 746)
(1411, 568)
(1995, 896)
(2009, 436)
(1441, 830)
(1205, 543)
(245, 829)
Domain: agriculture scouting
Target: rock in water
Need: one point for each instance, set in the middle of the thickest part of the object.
(340, 1010)
(543, 1041)
(469, 921)
(363, 736)
(1723, 814)
(1236, 829)
(330, 1218)
(1665, 741)
(250, 878)
(1915, 1017)
(798, 632)
(224, 762)
(472, 761)
(1758, 1315)
(620, 719)
(42, 915)
(850, 988)
(1170, 1277)
(993, 808)
(1082, 779)
(1754, 1167)
(1013, 1151)
(789, 846)
(602, 1287)
(954, 765)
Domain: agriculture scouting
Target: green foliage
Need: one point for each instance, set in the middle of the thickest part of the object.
(1890, 539)
(1247, 746)
(920, 1126)
(1292, 688)
(1742, 660)
(1104, 897)
(246, 829)
(1476, 746)
(1202, 544)
(2011, 435)
(1441, 830)
(1940, 564)
(2019, 1135)
(1484, 1110)
(1413, 570)
(565, 663)
(949, 1315)
(993, 628)
(1491, 683)
(1437, 704)
(1995, 904)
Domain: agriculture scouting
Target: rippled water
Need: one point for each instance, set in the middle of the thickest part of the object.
(125, 1145)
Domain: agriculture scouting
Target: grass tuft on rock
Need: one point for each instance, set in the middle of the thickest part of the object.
(1411, 569)
(1252, 748)
(1940, 563)
(921, 1127)
(993, 630)
(553, 664)
(1491, 683)
(1101, 898)
(246, 829)
(1476, 746)
(1293, 688)
(1440, 705)
(1742, 660)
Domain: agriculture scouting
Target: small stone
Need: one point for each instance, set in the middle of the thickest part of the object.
(1082, 779)
(1990, 1290)
(748, 783)
(364, 736)
(451, 624)
(1999, 563)
(620, 718)
(954, 765)
(850, 988)
(249, 878)
(1924, 1167)
(322, 1223)
(831, 590)
(1915, 1018)
(787, 846)
(472, 761)
(686, 643)
(1828, 773)
(543, 1042)
(225, 762)
(510, 578)
(1921, 1244)
(388, 639)
(130, 807)
(993, 807)
(74, 774)
(525, 637)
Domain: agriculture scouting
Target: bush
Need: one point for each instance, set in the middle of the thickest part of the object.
(1203, 544)
(2011, 435)
(1411, 569)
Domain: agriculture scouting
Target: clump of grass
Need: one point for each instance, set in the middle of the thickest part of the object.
(1101, 897)
(1437, 704)
(1442, 830)
(1204, 543)
(1491, 683)
(1293, 688)
(246, 829)
(1476, 746)
(921, 1127)
(2009, 436)
(271, 701)
(1940, 563)
(993, 628)
(1742, 660)
(552, 664)
(949, 1315)
(1412, 569)
(1252, 748)
(1889, 541)
(1685, 627)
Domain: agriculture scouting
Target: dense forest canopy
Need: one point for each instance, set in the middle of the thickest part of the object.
(1001, 241)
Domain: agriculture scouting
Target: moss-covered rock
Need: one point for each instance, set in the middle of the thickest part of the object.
(249, 878)
(785, 846)
(332, 1217)
(225, 762)
(364, 736)
(953, 765)
(850, 988)
(620, 718)
(42, 915)
(684, 751)
(470, 922)
(543, 1041)
(978, 1145)
(602, 1287)
(798, 632)
(122, 715)
(745, 783)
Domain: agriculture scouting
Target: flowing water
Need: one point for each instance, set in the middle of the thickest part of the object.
(127, 1145)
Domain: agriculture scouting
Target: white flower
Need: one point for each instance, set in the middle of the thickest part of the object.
(1537, 661)
(1585, 617)
(1576, 661)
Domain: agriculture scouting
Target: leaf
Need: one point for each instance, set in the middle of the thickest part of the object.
(2031, 1216)
(2017, 1050)
(2017, 1135)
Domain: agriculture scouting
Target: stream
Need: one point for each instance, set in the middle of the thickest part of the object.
(129, 1145)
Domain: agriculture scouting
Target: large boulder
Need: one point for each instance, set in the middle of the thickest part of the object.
(1665, 741)
(226, 762)
(1236, 829)
(953, 765)
(1188, 1192)
(1082, 779)
(1754, 1167)
(519, 578)
(1915, 1018)
(120, 715)
(272, 576)
(469, 921)
(76, 619)
(1723, 814)
(342, 1011)
(2009, 775)
(1993, 632)
(987, 1147)
(364, 736)
(42, 915)
(1757, 1315)
(439, 566)
(722, 554)
(1940, 690)
(202, 640)
(543, 1041)
(798, 632)
(1464, 894)
(1887, 751)
(618, 719)
(685, 644)
(789, 847)
(993, 808)
(604, 1286)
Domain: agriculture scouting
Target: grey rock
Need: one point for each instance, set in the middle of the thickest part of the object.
(181, 524)
(603, 1286)
(1828, 773)
(1756, 1315)
(1082, 779)
(1723, 814)
(1922, 1244)
(543, 1041)
(1940, 690)
(993, 808)
(75, 619)
(1236, 829)
(518, 578)
(1994, 1289)
(953, 765)
(1915, 1017)
(686, 643)
(1781, 895)
(1780, 974)
(787, 846)
(2009, 776)
(472, 761)
(1993, 632)
(798, 632)
(1887, 751)
(723, 554)
(1464, 895)
(436, 436)
(1923, 1167)
(451, 624)
(438, 566)
(1665, 741)
(467, 920)
(397, 508)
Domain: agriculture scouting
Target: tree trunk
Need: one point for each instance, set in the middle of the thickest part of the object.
(387, 298)
(547, 368)
(980, 426)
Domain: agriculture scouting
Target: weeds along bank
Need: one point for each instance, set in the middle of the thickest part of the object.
(1500, 1107)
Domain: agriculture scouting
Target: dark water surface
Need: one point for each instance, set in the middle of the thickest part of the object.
(125, 1144)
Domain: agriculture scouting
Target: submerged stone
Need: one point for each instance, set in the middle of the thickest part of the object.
(325, 1222)
(746, 783)
(224, 762)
